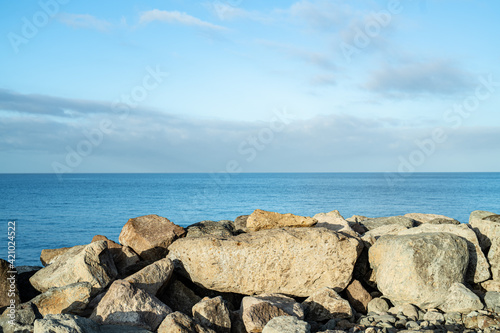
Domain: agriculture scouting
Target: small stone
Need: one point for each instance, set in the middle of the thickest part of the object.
(378, 305)
(492, 300)
(286, 324)
(240, 224)
(412, 325)
(434, 316)
(453, 318)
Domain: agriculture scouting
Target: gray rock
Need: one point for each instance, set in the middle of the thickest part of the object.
(213, 313)
(419, 269)
(460, 299)
(65, 323)
(222, 229)
(492, 300)
(24, 314)
(443, 221)
(486, 225)
(326, 304)
(286, 324)
(453, 318)
(378, 305)
(240, 224)
(427, 218)
(404, 221)
(434, 316)
(154, 277)
(408, 310)
(178, 322)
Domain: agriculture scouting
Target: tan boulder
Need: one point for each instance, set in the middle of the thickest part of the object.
(71, 299)
(486, 225)
(261, 219)
(292, 261)
(425, 218)
(123, 256)
(150, 236)
(491, 285)
(326, 304)
(178, 322)
(85, 263)
(333, 221)
(461, 299)
(213, 313)
(494, 258)
(152, 277)
(48, 255)
(358, 297)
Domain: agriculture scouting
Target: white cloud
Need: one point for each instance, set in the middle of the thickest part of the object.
(84, 21)
(177, 17)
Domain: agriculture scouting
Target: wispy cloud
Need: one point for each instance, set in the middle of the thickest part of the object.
(175, 17)
(84, 21)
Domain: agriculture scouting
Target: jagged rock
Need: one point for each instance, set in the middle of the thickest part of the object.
(23, 314)
(125, 304)
(178, 322)
(26, 290)
(443, 221)
(213, 313)
(257, 311)
(240, 224)
(419, 269)
(492, 300)
(71, 299)
(85, 263)
(292, 261)
(358, 297)
(261, 219)
(153, 277)
(8, 284)
(123, 256)
(494, 258)
(426, 218)
(65, 323)
(223, 229)
(48, 255)
(373, 223)
(286, 324)
(179, 297)
(326, 304)
(389, 229)
(333, 221)
(478, 269)
(357, 218)
(460, 299)
(150, 236)
(486, 225)
(491, 285)
(378, 305)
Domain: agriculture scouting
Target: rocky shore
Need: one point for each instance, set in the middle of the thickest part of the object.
(267, 272)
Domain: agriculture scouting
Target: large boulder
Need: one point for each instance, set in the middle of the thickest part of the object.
(213, 313)
(71, 299)
(486, 225)
(333, 221)
(460, 299)
(257, 311)
(153, 277)
(326, 304)
(426, 218)
(125, 304)
(123, 256)
(292, 261)
(9, 293)
(221, 229)
(286, 324)
(494, 258)
(404, 221)
(261, 219)
(389, 229)
(178, 322)
(150, 236)
(419, 269)
(48, 255)
(85, 263)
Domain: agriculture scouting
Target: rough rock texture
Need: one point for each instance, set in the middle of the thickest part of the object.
(333, 221)
(486, 225)
(494, 258)
(179, 297)
(240, 224)
(419, 269)
(408, 310)
(20, 320)
(257, 311)
(65, 323)
(460, 299)
(123, 256)
(179, 322)
(492, 300)
(48, 255)
(426, 218)
(125, 304)
(478, 269)
(8, 285)
(292, 261)
(357, 218)
(153, 277)
(71, 299)
(261, 219)
(378, 305)
(491, 285)
(286, 324)
(443, 221)
(222, 229)
(213, 313)
(406, 222)
(326, 304)
(389, 229)
(358, 297)
(86, 263)
(150, 236)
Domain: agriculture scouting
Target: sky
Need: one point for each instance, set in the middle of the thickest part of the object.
(230, 86)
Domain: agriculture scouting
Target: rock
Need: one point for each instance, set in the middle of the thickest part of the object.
(257, 311)
(491, 285)
(150, 236)
(434, 316)
(478, 267)
(8, 284)
(286, 324)
(179, 297)
(443, 221)
(123, 256)
(48, 255)
(213, 313)
(333, 221)
(125, 304)
(486, 226)
(292, 261)
(494, 258)
(222, 229)
(240, 224)
(153, 277)
(26, 290)
(65, 323)
(373, 223)
(408, 310)
(357, 218)
(389, 229)
(419, 269)
(179, 322)
(24, 314)
(261, 219)
(358, 297)
(326, 304)
(7, 326)
(71, 299)
(426, 218)
(378, 305)
(85, 263)
(492, 300)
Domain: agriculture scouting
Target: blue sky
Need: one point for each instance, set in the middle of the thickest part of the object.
(249, 86)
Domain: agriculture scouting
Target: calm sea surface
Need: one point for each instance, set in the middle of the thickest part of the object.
(50, 213)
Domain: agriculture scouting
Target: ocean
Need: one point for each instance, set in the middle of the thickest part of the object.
(53, 213)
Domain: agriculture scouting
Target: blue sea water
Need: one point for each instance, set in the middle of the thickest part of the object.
(50, 213)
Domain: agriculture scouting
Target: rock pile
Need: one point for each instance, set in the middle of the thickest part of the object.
(268, 272)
